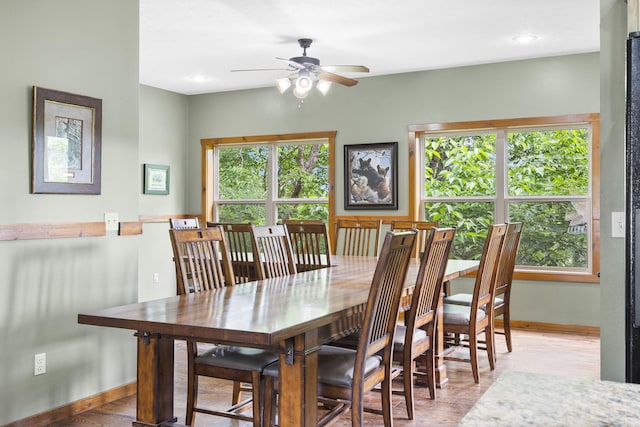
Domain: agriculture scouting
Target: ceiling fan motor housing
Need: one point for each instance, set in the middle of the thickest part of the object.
(305, 60)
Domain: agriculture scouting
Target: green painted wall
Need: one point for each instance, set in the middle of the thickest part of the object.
(613, 24)
(88, 47)
(163, 140)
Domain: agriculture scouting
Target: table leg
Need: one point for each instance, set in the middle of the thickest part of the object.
(298, 382)
(154, 406)
(441, 368)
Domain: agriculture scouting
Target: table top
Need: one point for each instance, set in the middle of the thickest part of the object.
(264, 312)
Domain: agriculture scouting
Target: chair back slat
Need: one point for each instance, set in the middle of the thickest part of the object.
(386, 289)
(271, 246)
(357, 237)
(426, 293)
(423, 228)
(310, 244)
(202, 259)
(238, 236)
(486, 276)
(507, 260)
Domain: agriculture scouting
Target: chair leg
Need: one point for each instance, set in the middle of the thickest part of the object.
(407, 377)
(386, 401)
(270, 407)
(192, 394)
(430, 367)
(491, 351)
(236, 393)
(258, 398)
(357, 406)
(506, 319)
(473, 353)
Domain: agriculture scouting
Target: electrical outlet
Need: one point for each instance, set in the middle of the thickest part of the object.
(111, 221)
(617, 224)
(40, 364)
(156, 278)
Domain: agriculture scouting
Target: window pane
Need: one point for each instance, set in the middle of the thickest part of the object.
(554, 234)
(303, 211)
(460, 166)
(253, 213)
(243, 172)
(472, 220)
(554, 162)
(303, 171)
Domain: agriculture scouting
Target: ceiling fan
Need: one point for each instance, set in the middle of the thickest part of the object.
(307, 71)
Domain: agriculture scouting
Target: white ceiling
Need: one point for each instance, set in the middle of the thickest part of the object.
(191, 46)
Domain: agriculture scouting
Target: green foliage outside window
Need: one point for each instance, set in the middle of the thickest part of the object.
(243, 173)
(547, 163)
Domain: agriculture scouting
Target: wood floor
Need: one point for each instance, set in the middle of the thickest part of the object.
(557, 354)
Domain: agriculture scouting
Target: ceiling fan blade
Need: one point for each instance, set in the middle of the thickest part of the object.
(292, 63)
(264, 69)
(336, 78)
(345, 68)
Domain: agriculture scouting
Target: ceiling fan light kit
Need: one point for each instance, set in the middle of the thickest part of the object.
(306, 71)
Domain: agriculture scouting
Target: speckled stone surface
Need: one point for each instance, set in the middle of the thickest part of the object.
(528, 399)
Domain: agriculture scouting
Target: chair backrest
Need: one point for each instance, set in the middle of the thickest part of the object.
(426, 293)
(184, 223)
(507, 261)
(357, 237)
(272, 247)
(310, 244)
(485, 284)
(423, 228)
(238, 236)
(202, 259)
(383, 302)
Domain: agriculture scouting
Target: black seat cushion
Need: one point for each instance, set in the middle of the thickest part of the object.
(335, 366)
(242, 358)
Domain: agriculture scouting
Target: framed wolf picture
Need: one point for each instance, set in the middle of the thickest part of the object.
(371, 176)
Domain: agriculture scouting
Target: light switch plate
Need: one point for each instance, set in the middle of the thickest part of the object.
(111, 221)
(617, 224)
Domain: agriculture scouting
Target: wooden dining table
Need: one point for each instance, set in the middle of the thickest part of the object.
(293, 315)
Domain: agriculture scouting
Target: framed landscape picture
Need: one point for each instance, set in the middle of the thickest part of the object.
(66, 143)
(371, 176)
(156, 179)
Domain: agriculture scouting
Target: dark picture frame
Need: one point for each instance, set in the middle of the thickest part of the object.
(66, 152)
(156, 179)
(371, 176)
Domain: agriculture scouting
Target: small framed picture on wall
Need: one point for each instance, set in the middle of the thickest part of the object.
(156, 179)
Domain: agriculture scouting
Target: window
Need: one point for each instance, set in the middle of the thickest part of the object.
(541, 171)
(267, 179)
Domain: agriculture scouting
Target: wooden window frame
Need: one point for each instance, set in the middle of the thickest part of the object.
(416, 132)
(208, 145)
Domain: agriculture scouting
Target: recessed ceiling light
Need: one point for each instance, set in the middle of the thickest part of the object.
(198, 79)
(524, 38)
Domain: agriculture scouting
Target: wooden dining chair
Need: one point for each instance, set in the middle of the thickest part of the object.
(245, 266)
(477, 318)
(310, 244)
(345, 375)
(204, 264)
(202, 259)
(416, 338)
(357, 237)
(423, 228)
(181, 224)
(502, 298)
(272, 247)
